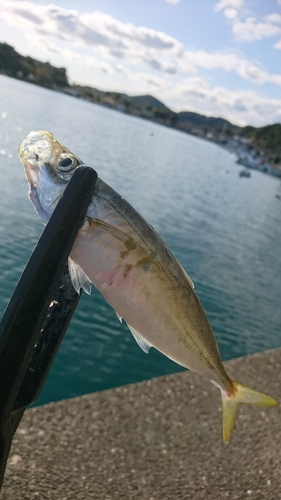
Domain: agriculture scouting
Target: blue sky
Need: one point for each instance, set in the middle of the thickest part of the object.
(216, 57)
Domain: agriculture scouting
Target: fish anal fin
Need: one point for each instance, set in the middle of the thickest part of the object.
(144, 345)
(119, 317)
(78, 278)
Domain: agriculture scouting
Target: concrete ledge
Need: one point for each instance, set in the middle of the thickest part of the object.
(156, 440)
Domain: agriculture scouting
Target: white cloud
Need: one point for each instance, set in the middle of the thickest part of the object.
(278, 45)
(225, 4)
(149, 83)
(255, 74)
(137, 59)
(174, 2)
(229, 61)
(241, 107)
(114, 44)
(231, 13)
(252, 29)
(97, 31)
(274, 18)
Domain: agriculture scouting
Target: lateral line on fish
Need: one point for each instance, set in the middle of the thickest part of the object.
(115, 209)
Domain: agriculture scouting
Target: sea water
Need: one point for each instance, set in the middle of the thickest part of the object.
(225, 231)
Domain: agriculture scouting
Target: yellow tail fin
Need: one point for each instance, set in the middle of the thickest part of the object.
(240, 394)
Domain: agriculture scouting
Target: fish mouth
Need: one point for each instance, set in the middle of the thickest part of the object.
(40, 149)
(36, 150)
(37, 147)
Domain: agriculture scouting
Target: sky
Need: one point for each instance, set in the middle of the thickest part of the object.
(214, 57)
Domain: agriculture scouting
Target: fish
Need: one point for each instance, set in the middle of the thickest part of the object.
(122, 255)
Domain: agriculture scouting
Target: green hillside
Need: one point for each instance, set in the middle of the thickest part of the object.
(28, 69)
(267, 139)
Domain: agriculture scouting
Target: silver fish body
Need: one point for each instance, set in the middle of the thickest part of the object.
(128, 262)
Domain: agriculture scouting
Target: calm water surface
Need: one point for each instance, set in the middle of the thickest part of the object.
(225, 231)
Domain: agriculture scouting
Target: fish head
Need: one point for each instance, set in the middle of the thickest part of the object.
(48, 168)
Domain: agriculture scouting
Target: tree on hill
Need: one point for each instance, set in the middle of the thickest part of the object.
(268, 138)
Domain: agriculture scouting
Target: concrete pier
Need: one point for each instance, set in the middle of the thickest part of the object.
(155, 440)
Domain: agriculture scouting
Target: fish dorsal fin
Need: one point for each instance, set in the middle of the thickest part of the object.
(144, 345)
(78, 277)
(186, 275)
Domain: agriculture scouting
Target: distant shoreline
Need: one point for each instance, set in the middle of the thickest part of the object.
(256, 148)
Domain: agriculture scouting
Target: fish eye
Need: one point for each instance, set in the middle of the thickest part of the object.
(67, 163)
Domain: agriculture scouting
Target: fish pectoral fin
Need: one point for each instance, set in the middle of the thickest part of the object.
(144, 345)
(240, 394)
(78, 278)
